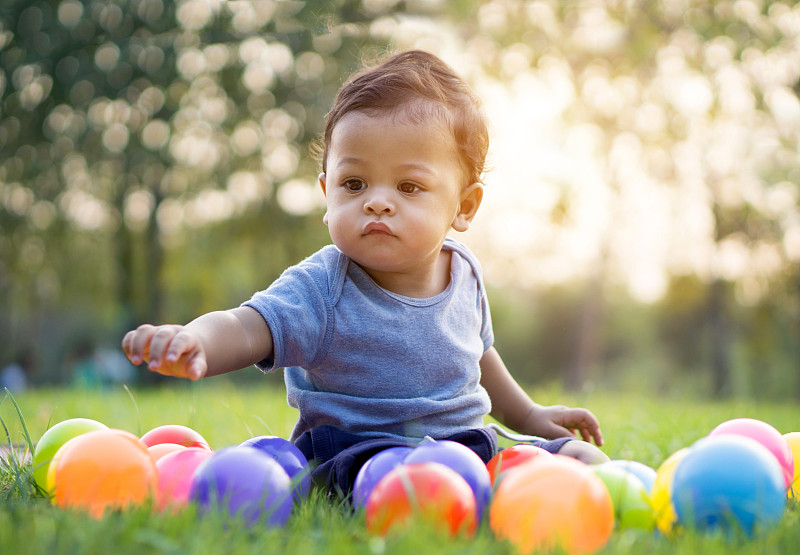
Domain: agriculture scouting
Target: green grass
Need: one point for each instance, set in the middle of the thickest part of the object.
(635, 427)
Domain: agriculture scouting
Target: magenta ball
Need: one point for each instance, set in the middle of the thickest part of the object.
(246, 482)
(175, 475)
(767, 436)
(463, 460)
(289, 457)
(373, 470)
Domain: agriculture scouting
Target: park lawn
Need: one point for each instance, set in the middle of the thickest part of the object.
(226, 413)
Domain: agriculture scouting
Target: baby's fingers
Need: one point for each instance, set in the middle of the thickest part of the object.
(160, 343)
(586, 435)
(587, 424)
(136, 343)
(182, 343)
(186, 356)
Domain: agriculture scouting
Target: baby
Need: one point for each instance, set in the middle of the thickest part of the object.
(385, 336)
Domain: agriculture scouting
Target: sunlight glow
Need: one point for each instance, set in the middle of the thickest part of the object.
(567, 200)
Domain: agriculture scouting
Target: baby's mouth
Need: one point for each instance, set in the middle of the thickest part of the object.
(377, 228)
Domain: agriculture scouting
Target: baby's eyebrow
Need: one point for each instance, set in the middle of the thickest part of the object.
(350, 160)
(417, 167)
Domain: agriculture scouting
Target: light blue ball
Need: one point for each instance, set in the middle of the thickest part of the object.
(729, 483)
(646, 474)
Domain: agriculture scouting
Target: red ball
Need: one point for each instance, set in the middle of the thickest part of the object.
(175, 433)
(429, 492)
(512, 456)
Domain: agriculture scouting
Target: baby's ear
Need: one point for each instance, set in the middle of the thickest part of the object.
(471, 198)
(322, 184)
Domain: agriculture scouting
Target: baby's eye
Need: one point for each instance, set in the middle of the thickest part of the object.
(354, 185)
(407, 187)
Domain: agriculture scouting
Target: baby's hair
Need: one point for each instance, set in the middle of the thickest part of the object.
(417, 85)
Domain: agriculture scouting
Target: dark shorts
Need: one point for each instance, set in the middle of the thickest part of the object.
(337, 456)
(551, 446)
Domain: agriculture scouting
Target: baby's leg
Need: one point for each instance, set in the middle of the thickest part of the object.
(583, 451)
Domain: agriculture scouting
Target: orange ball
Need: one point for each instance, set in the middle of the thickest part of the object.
(101, 470)
(429, 492)
(513, 456)
(553, 503)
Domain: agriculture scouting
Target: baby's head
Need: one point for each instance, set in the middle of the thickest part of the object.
(416, 86)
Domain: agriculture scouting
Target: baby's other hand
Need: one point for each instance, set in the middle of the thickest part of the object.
(561, 421)
(169, 350)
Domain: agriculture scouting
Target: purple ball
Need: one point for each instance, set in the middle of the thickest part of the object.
(463, 460)
(243, 482)
(373, 470)
(289, 457)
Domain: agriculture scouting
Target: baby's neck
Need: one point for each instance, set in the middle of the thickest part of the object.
(422, 283)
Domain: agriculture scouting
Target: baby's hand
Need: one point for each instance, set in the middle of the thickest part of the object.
(560, 421)
(169, 350)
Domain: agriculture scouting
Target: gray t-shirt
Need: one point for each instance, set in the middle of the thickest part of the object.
(372, 362)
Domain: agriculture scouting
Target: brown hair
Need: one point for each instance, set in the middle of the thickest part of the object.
(420, 85)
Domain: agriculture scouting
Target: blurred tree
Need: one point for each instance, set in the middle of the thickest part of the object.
(679, 101)
(130, 129)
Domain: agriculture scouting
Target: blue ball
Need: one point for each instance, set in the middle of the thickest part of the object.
(289, 457)
(646, 474)
(729, 483)
(243, 482)
(373, 470)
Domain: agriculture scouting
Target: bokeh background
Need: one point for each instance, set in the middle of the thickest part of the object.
(641, 223)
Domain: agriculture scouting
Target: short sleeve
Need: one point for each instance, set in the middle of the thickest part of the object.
(297, 311)
(487, 332)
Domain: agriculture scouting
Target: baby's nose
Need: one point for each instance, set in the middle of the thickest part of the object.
(378, 203)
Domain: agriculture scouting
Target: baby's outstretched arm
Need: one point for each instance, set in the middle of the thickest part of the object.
(212, 344)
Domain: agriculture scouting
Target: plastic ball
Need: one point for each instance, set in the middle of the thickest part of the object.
(767, 436)
(243, 482)
(512, 456)
(793, 439)
(52, 440)
(378, 466)
(428, 492)
(629, 497)
(102, 470)
(646, 474)
(728, 483)
(175, 476)
(661, 496)
(175, 433)
(463, 460)
(160, 449)
(289, 457)
(553, 504)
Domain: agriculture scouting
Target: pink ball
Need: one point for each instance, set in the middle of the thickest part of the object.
(767, 436)
(175, 475)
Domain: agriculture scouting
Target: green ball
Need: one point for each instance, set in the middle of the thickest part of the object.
(53, 439)
(632, 508)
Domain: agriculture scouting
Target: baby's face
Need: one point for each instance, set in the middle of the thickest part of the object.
(393, 190)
